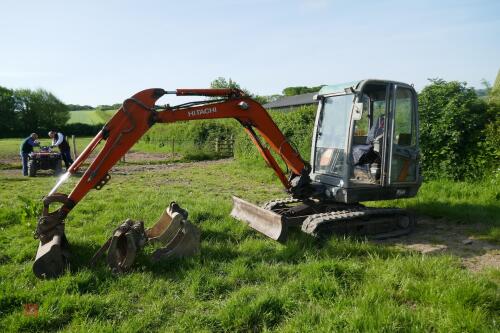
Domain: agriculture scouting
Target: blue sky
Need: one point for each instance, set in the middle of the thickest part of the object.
(100, 52)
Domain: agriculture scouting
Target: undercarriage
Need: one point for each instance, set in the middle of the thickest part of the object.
(323, 219)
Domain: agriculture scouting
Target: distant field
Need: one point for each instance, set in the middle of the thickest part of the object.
(90, 117)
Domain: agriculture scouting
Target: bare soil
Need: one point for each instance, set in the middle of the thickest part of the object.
(131, 156)
(440, 236)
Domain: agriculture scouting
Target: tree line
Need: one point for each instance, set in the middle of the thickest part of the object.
(459, 128)
(24, 111)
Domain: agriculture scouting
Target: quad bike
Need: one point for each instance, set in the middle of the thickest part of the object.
(364, 148)
(44, 159)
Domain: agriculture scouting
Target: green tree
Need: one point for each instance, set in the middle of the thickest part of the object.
(8, 117)
(39, 110)
(452, 124)
(223, 83)
(292, 91)
(490, 147)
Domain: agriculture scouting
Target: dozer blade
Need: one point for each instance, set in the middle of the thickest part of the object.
(265, 221)
(51, 258)
(179, 237)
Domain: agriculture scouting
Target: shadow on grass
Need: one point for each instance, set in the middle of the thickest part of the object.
(461, 212)
(221, 249)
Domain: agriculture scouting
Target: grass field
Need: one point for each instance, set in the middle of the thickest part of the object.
(241, 281)
(183, 150)
(91, 117)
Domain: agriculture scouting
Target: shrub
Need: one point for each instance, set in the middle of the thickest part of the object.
(452, 126)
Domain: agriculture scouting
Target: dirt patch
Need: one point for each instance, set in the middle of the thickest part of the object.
(433, 236)
(125, 169)
(132, 156)
(136, 156)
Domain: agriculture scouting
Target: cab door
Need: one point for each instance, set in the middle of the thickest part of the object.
(403, 144)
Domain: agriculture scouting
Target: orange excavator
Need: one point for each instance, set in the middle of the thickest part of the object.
(365, 148)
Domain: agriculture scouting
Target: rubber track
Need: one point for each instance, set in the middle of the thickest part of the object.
(277, 203)
(313, 222)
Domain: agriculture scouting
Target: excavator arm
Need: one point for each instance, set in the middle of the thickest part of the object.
(129, 124)
(139, 113)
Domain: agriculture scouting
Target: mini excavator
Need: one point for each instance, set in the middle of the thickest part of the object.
(364, 148)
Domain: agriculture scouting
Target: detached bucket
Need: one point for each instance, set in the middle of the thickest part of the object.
(179, 237)
(52, 257)
(265, 221)
(126, 241)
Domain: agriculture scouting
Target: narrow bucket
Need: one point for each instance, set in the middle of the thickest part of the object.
(126, 241)
(51, 258)
(265, 221)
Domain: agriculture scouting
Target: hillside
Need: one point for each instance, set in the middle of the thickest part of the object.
(91, 117)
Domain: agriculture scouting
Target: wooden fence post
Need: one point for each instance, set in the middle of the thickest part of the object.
(75, 154)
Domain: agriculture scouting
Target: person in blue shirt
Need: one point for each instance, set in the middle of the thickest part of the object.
(26, 148)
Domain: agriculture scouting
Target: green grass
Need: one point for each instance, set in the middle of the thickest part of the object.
(183, 151)
(90, 117)
(241, 281)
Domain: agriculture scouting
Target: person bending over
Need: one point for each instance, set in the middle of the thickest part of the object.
(59, 140)
(26, 148)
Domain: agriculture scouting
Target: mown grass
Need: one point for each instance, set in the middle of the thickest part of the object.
(91, 117)
(241, 281)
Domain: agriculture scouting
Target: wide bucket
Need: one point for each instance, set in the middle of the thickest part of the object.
(265, 221)
(178, 237)
(51, 258)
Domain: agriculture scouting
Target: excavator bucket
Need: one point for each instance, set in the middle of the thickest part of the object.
(126, 241)
(51, 257)
(265, 221)
(179, 237)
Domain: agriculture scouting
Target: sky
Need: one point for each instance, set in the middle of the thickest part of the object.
(101, 52)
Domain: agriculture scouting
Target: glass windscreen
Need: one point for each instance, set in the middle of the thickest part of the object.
(331, 134)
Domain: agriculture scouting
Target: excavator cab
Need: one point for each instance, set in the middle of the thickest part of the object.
(365, 144)
(364, 148)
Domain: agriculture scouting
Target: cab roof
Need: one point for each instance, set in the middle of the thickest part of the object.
(341, 87)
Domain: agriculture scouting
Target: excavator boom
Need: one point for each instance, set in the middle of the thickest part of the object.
(129, 124)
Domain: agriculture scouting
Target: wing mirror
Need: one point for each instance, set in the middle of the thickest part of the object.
(357, 111)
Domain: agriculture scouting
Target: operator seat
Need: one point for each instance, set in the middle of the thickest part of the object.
(363, 154)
